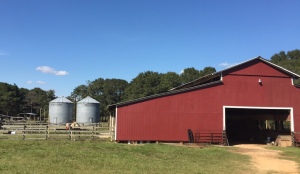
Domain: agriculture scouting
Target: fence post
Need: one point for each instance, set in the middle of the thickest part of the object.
(47, 132)
(70, 134)
(93, 133)
(23, 132)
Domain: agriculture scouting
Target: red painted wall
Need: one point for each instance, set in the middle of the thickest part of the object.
(168, 118)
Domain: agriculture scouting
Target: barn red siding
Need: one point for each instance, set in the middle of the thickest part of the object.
(168, 118)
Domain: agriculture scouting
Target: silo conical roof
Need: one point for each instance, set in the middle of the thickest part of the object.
(61, 100)
(88, 99)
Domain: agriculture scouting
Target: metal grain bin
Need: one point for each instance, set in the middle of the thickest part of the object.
(88, 111)
(60, 111)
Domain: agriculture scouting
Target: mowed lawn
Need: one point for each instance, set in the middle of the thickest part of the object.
(31, 156)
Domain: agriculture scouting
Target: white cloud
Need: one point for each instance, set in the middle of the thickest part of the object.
(3, 53)
(61, 73)
(49, 70)
(29, 82)
(227, 65)
(46, 69)
(40, 82)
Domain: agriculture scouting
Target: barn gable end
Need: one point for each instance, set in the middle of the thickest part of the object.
(257, 68)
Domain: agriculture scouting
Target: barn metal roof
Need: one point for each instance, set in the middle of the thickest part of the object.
(61, 100)
(88, 99)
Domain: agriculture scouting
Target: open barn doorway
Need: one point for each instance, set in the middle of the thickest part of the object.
(256, 125)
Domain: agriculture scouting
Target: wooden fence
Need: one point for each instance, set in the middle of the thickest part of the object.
(55, 132)
(18, 123)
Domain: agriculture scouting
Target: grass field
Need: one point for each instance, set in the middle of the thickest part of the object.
(107, 157)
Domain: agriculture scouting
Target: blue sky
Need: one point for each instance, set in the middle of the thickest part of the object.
(61, 44)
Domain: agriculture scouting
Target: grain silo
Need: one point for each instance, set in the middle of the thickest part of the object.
(60, 111)
(88, 111)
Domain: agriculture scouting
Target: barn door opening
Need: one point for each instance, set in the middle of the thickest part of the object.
(259, 125)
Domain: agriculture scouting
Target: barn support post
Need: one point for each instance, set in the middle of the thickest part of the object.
(115, 123)
(111, 126)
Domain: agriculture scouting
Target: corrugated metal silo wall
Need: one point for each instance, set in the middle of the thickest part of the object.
(88, 113)
(60, 112)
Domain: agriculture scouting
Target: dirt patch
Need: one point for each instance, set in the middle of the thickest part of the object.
(267, 161)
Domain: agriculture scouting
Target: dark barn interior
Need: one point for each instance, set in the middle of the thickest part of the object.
(257, 126)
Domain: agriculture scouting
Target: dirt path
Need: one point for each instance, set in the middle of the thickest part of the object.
(268, 161)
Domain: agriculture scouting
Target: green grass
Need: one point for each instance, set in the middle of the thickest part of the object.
(107, 157)
(290, 153)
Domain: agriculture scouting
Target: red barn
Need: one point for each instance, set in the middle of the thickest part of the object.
(250, 102)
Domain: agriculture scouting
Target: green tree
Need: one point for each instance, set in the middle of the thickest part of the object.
(169, 81)
(23, 105)
(279, 58)
(289, 61)
(79, 93)
(189, 74)
(206, 71)
(113, 90)
(10, 99)
(38, 99)
(106, 91)
(145, 84)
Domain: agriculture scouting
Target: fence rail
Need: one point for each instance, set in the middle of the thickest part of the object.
(55, 132)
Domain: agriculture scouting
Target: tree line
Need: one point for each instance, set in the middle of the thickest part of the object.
(110, 91)
(15, 100)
